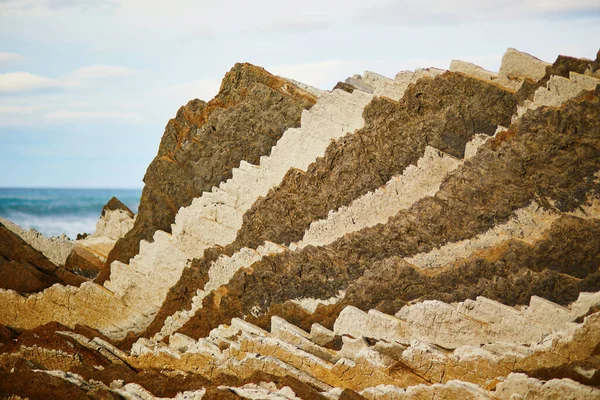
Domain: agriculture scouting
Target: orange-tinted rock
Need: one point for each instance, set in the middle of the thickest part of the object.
(205, 141)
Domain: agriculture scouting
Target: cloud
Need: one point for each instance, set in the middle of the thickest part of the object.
(72, 115)
(12, 82)
(19, 110)
(39, 7)
(99, 72)
(6, 58)
(443, 12)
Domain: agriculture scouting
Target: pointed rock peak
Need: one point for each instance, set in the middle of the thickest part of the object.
(517, 64)
(116, 204)
(243, 75)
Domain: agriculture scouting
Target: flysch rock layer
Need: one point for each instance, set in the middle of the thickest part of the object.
(469, 269)
(25, 269)
(56, 248)
(240, 348)
(212, 219)
(116, 220)
(251, 256)
(84, 257)
(400, 192)
(205, 141)
(371, 209)
(365, 161)
(494, 182)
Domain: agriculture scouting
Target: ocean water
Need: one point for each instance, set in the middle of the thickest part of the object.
(61, 211)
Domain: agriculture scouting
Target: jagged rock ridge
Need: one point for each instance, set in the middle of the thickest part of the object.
(205, 141)
(432, 235)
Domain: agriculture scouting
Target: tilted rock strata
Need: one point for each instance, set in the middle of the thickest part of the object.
(497, 180)
(85, 257)
(240, 348)
(368, 210)
(395, 136)
(366, 160)
(469, 269)
(211, 219)
(205, 141)
(190, 285)
(56, 249)
(115, 220)
(24, 269)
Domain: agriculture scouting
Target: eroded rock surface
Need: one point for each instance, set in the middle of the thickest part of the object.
(435, 235)
(24, 269)
(205, 141)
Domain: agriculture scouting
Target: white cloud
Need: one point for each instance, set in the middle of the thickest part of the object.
(73, 115)
(444, 12)
(25, 81)
(12, 82)
(99, 72)
(19, 110)
(40, 7)
(6, 58)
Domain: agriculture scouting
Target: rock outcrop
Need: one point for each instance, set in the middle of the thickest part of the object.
(61, 260)
(436, 235)
(24, 269)
(205, 141)
(90, 255)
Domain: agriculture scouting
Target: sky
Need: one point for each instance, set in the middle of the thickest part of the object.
(87, 86)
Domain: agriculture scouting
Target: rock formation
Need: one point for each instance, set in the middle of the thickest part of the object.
(435, 235)
(32, 262)
(205, 141)
(24, 269)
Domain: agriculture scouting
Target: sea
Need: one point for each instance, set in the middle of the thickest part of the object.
(53, 212)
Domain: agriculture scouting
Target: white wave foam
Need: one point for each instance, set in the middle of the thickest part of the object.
(55, 225)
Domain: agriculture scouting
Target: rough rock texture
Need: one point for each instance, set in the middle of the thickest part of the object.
(56, 249)
(444, 113)
(83, 262)
(89, 254)
(395, 135)
(24, 269)
(205, 141)
(507, 173)
(137, 290)
(115, 221)
(442, 243)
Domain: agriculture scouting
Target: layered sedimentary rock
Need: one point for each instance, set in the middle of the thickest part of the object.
(138, 289)
(436, 235)
(56, 249)
(24, 269)
(205, 141)
(89, 257)
(73, 261)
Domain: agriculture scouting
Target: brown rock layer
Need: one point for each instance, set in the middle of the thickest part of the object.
(550, 156)
(115, 204)
(24, 269)
(205, 141)
(563, 66)
(83, 262)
